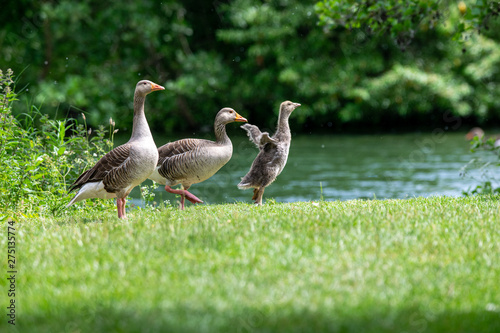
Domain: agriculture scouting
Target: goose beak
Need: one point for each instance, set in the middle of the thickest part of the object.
(240, 118)
(296, 105)
(155, 87)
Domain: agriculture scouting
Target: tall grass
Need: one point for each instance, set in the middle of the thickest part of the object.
(39, 156)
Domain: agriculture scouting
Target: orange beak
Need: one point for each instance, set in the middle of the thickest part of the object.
(155, 87)
(240, 118)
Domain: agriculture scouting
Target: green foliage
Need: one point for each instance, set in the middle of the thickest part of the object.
(279, 55)
(398, 18)
(89, 55)
(478, 15)
(403, 19)
(484, 167)
(252, 55)
(148, 194)
(40, 157)
(348, 76)
(418, 265)
(400, 91)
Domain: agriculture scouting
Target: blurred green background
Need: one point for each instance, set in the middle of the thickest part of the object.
(86, 56)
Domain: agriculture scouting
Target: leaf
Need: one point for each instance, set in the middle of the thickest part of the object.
(61, 150)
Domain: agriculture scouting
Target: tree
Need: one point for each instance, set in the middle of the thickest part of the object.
(350, 76)
(250, 55)
(402, 19)
(88, 55)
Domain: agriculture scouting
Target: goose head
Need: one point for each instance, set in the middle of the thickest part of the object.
(145, 87)
(287, 107)
(228, 115)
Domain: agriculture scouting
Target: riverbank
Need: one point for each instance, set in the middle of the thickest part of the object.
(416, 265)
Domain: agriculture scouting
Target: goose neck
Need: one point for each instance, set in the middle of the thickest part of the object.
(140, 127)
(283, 129)
(220, 133)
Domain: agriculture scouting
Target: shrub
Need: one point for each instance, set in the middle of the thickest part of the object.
(484, 167)
(40, 157)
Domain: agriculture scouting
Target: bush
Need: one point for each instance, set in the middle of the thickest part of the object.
(484, 167)
(40, 157)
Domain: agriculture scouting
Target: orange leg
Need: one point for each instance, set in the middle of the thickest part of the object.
(124, 215)
(120, 207)
(184, 194)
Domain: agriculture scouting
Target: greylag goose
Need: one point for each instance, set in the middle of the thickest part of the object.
(273, 153)
(191, 161)
(477, 131)
(126, 166)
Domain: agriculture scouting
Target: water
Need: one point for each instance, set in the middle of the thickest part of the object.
(344, 167)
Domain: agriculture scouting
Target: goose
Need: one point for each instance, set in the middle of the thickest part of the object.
(273, 153)
(477, 131)
(126, 166)
(192, 161)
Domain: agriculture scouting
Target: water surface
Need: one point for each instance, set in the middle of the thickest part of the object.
(343, 167)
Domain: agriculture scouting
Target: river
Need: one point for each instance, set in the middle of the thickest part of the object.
(343, 167)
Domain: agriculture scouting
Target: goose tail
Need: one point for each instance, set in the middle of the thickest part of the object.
(75, 199)
(244, 185)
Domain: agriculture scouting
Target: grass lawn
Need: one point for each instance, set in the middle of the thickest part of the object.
(416, 265)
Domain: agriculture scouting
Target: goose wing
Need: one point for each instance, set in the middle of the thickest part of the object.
(175, 158)
(256, 136)
(177, 148)
(109, 169)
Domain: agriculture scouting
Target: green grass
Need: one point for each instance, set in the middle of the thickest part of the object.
(417, 265)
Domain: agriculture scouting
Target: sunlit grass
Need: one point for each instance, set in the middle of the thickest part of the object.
(415, 265)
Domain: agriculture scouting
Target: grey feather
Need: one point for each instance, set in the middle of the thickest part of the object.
(257, 137)
(273, 153)
(191, 161)
(127, 165)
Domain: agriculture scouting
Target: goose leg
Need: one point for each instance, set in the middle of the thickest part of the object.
(255, 190)
(257, 195)
(182, 200)
(184, 194)
(120, 207)
(190, 196)
(124, 203)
